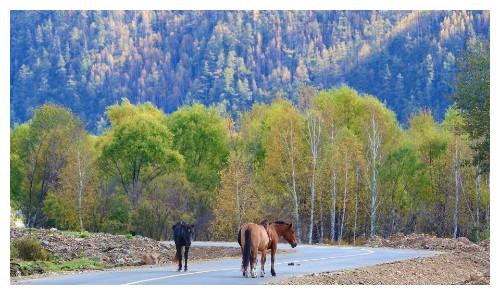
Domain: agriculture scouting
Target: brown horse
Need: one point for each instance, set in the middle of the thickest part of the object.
(260, 238)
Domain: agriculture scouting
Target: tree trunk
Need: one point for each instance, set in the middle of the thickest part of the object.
(313, 194)
(374, 149)
(393, 212)
(455, 214)
(314, 132)
(291, 154)
(80, 188)
(341, 232)
(478, 201)
(334, 201)
(238, 206)
(320, 221)
(356, 205)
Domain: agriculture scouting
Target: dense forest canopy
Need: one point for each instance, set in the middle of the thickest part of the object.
(340, 168)
(131, 121)
(88, 60)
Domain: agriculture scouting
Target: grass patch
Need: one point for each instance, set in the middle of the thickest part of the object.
(84, 234)
(75, 264)
(31, 267)
(130, 236)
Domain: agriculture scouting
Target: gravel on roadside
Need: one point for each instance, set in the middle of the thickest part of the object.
(462, 262)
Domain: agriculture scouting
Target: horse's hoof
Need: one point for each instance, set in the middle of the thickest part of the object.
(273, 273)
(262, 274)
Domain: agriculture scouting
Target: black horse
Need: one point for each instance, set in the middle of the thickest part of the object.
(183, 234)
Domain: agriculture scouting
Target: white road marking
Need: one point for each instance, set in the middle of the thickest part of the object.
(331, 257)
(179, 275)
(231, 269)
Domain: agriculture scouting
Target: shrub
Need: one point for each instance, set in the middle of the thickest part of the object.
(84, 234)
(29, 249)
(13, 251)
(130, 236)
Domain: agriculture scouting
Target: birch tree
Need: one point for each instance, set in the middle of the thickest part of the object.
(283, 143)
(313, 135)
(290, 148)
(78, 175)
(374, 144)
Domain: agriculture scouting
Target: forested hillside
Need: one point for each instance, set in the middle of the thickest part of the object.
(340, 168)
(88, 60)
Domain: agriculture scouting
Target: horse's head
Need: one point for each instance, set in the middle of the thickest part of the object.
(289, 235)
(184, 231)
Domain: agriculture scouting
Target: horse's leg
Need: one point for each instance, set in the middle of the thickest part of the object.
(241, 248)
(273, 254)
(242, 268)
(178, 256)
(253, 263)
(186, 253)
(263, 262)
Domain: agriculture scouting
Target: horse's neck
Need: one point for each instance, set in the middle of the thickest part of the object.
(276, 230)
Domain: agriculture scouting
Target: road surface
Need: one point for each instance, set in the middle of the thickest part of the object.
(304, 259)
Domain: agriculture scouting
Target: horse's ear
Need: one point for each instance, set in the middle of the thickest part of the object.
(290, 225)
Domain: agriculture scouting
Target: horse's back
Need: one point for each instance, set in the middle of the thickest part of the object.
(258, 235)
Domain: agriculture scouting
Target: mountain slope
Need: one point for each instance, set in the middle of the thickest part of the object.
(87, 60)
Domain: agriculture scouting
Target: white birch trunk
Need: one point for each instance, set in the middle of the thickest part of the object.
(478, 200)
(314, 132)
(356, 205)
(334, 201)
(320, 221)
(457, 167)
(341, 232)
(80, 187)
(291, 153)
(333, 191)
(374, 140)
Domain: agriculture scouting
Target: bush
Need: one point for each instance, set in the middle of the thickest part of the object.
(84, 234)
(13, 251)
(29, 249)
(130, 236)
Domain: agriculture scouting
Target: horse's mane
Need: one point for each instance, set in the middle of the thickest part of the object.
(280, 222)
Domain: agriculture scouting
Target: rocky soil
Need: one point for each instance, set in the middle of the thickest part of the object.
(114, 250)
(425, 241)
(462, 262)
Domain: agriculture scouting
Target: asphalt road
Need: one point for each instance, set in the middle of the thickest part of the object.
(306, 259)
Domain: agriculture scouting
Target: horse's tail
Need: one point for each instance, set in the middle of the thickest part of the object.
(239, 236)
(246, 249)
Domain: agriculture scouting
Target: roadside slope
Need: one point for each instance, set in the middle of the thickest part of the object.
(462, 262)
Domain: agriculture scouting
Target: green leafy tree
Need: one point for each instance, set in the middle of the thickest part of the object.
(60, 213)
(472, 96)
(39, 149)
(397, 171)
(138, 147)
(200, 135)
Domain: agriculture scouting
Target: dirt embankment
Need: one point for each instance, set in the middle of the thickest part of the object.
(113, 250)
(462, 262)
